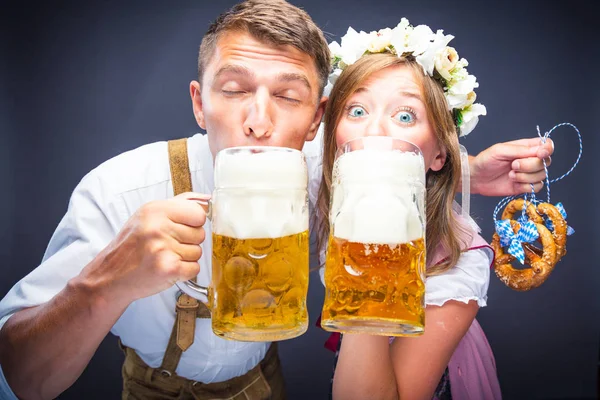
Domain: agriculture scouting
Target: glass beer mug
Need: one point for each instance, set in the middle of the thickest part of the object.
(375, 264)
(260, 245)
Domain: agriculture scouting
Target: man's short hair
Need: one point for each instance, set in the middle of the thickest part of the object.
(275, 22)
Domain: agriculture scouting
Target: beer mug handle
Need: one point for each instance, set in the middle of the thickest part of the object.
(190, 287)
(194, 290)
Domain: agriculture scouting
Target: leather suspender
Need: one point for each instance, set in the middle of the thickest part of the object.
(188, 308)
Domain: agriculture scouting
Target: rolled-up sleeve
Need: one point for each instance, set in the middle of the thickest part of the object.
(90, 223)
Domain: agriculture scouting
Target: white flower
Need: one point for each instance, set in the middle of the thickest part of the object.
(353, 46)
(460, 101)
(471, 98)
(459, 72)
(458, 92)
(403, 24)
(456, 101)
(438, 43)
(379, 41)
(445, 61)
(464, 86)
(470, 118)
(400, 36)
(420, 40)
(462, 63)
(335, 49)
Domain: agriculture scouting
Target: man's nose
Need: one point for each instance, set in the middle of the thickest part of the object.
(259, 120)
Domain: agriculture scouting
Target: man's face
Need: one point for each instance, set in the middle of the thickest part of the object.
(255, 94)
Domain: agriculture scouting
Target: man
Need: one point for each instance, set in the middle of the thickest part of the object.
(112, 263)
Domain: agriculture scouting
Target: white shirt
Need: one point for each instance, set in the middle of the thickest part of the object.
(99, 206)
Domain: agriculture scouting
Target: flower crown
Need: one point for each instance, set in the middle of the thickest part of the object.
(430, 50)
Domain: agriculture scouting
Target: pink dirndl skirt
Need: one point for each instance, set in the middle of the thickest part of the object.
(472, 368)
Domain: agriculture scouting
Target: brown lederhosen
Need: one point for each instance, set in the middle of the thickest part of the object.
(265, 381)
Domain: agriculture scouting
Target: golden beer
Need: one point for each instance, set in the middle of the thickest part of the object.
(375, 264)
(374, 288)
(259, 287)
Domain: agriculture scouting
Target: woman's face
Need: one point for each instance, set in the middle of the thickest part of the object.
(390, 103)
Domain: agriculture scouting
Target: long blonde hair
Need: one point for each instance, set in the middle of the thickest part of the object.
(443, 228)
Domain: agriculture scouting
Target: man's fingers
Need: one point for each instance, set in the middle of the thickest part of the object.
(200, 198)
(188, 252)
(193, 195)
(184, 211)
(187, 234)
(188, 270)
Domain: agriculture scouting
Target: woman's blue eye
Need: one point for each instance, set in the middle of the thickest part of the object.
(405, 117)
(357, 111)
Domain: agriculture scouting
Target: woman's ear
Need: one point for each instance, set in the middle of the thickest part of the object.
(439, 160)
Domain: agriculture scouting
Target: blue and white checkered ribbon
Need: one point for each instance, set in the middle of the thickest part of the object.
(527, 233)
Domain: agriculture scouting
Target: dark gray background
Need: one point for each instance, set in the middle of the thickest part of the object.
(84, 81)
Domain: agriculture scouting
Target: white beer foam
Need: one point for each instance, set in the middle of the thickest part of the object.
(272, 169)
(373, 197)
(261, 195)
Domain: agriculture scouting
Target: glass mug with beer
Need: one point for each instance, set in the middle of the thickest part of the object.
(375, 264)
(260, 245)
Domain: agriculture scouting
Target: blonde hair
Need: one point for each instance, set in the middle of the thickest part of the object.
(276, 22)
(442, 225)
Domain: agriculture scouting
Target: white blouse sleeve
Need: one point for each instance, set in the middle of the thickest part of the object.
(468, 280)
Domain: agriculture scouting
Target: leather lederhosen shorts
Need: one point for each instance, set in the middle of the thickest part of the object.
(265, 381)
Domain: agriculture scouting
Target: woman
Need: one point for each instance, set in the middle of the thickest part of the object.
(402, 83)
